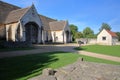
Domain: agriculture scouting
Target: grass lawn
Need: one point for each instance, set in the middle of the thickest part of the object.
(93, 59)
(24, 67)
(102, 49)
(15, 49)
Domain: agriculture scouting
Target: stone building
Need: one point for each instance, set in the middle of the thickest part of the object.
(107, 37)
(25, 24)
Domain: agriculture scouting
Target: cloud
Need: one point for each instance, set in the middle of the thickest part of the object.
(115, 24)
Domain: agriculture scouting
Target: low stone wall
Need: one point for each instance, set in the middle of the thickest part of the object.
(92, 41)
(118, 43)
(87, 40)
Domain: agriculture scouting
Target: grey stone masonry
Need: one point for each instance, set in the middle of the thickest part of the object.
(82, 70)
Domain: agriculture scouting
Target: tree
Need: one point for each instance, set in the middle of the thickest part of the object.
(88, 32)
(74, 30)
(105, 26)
(78, 35)
(118, 34)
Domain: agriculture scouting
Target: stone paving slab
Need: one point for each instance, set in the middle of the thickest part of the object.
(81, 70)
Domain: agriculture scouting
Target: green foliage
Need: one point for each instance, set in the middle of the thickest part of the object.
(118, 34)
(105, 26)
(78, 35)
(88, 33)
(93, 59)
(74, 30)
(24, 67)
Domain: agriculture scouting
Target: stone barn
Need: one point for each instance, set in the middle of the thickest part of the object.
(25, 24)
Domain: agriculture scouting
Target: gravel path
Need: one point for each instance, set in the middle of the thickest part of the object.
(102, 56)
(61, 47)
(40, 49)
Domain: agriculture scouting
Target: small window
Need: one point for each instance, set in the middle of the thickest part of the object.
(103, 38)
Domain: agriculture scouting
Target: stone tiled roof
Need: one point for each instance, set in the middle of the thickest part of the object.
(15, 15)
(10, 13)
(112, 33)
(45, 22)
(57, 25)
(5, 8)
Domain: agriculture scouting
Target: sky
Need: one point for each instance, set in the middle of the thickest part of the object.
(82, 13)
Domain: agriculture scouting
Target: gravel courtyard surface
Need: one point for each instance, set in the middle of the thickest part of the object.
(40, 49)
(82, 70)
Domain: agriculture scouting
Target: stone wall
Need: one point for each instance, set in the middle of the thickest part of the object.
(2, 31)
(87, 40)
(117, 43)
(11, 31)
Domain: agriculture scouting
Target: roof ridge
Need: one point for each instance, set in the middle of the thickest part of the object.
(24, 10)
(10, 4)
(111, 33)
(47, 17)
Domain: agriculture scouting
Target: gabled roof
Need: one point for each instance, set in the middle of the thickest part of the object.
(10, 13)
(45, 21)
(5, 9)
(15, 15)
(57, 25)
(112, 33)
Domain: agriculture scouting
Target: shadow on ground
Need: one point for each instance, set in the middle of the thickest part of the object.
(22, 66)
(18, 67)
(80, 48)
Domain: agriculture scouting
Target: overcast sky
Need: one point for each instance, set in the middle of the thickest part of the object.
(83, 13)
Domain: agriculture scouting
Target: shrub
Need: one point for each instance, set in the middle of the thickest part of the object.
(10, 44)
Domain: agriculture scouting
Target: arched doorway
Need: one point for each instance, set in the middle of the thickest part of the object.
(31, 32)
(67, 36)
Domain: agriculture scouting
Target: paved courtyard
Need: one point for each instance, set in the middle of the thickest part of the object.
(40, 49)
(59, 47)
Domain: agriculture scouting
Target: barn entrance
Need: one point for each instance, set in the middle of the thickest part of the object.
(67, 36)
(31, 32)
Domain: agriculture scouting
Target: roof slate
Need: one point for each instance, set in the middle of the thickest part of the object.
(5, 9)
(112, 33)
(10, 13)
(15, 15)
(45, 22)
(57, 25)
